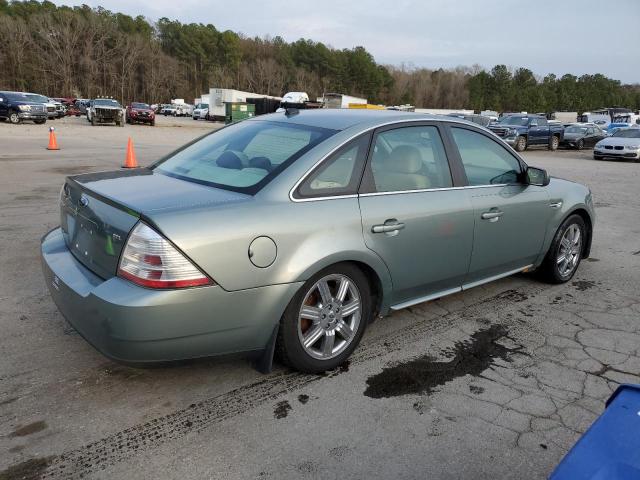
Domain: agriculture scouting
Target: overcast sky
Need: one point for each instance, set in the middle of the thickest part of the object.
(546, 36)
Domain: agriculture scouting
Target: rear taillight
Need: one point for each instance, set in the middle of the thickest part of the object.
(148, 259)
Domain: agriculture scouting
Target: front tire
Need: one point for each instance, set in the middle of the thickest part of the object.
(521, 144)
(554, 142)
(565, 252)
(14, 118)
(325, 320)
(580, 144)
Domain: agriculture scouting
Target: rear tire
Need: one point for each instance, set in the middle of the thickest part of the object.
(315, 335)
(554, 142)
(565, 253)
(521, 144)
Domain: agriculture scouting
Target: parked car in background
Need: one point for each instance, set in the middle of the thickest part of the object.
(479, 119)
(201, 111)
(184, 110)
(522, 131)
(581, 136)
(50, 106)
(625, 144)
(105, 110)
(17, 107)
(168, 110)
(82, 104)
(231, 244)
(137, 112)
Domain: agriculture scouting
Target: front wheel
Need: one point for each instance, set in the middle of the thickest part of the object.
(565, 253)
(14, 118)
(554, 142)
(580, 144)
(521, 144)
(326, 319)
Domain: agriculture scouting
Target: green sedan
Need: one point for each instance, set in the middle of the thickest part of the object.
(291, 232)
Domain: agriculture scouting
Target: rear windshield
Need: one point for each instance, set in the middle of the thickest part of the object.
(243, 157)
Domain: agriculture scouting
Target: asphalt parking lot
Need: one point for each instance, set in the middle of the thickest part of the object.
(496, 382)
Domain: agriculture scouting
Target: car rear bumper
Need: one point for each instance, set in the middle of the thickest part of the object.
(132, 324)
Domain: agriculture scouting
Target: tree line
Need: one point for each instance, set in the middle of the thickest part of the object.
(86, 52)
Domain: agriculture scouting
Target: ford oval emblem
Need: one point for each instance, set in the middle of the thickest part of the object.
(84, 200)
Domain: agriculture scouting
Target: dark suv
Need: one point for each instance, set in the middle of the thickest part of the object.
(18, 107)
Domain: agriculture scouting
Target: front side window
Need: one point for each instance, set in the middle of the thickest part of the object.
(485, 161)
(245, 156)
(339, 174)
(409, 158)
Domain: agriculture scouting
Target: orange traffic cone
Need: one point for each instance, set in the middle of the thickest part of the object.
(130, 160)
(53, 144)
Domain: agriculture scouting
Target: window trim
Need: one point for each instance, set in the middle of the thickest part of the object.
(367, 185)
(492, 137)
(296, 195)
(455, 163)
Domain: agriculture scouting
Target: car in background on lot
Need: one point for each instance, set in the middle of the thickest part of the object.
(201, 111)
(105, 110)
(294, 231)
(138, 112)
(581, 136)
(51, 107)
(623, 144)
(523, 131)
(479, 119)
(17, 107)
(169, 110)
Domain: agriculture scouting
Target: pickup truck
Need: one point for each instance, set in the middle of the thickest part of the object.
(522, 131)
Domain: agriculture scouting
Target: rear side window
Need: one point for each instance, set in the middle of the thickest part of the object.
(245, 156)
(485, 161)
(409, 158)
(339, 174)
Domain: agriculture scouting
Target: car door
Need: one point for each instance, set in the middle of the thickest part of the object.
(413, 216)
(510, 216)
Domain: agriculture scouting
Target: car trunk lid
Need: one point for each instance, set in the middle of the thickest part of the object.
(98, 210)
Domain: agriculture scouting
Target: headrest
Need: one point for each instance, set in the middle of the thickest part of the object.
(229, 159)
(261, 162)
(404, 159)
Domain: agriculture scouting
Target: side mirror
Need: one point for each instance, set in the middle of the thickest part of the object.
(537, 176)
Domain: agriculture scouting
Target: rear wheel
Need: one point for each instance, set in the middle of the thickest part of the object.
(554, 142)
(565, 253)
(521, 144)
(326, 319)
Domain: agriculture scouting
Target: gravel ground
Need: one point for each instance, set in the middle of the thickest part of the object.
(496, 382)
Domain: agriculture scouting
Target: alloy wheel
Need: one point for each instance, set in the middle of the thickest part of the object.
(329, 316)
(569, 251)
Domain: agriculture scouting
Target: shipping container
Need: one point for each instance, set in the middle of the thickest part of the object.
(219, 96)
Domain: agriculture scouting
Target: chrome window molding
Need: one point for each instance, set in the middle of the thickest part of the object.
(398, 121)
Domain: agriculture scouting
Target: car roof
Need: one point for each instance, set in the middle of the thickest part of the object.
(343, 118)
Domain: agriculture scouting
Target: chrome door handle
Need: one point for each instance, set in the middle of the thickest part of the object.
(555, 204)
(387, 228)
(492, 216)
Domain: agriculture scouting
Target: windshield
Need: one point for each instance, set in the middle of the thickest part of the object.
(513, 120)
(582, 130)
(202, 105)
(33, 97)
(628, 133)
(140, 105)
(107, 102)
(243, 157)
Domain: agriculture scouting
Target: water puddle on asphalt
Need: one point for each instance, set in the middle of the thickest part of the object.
(424, 374)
